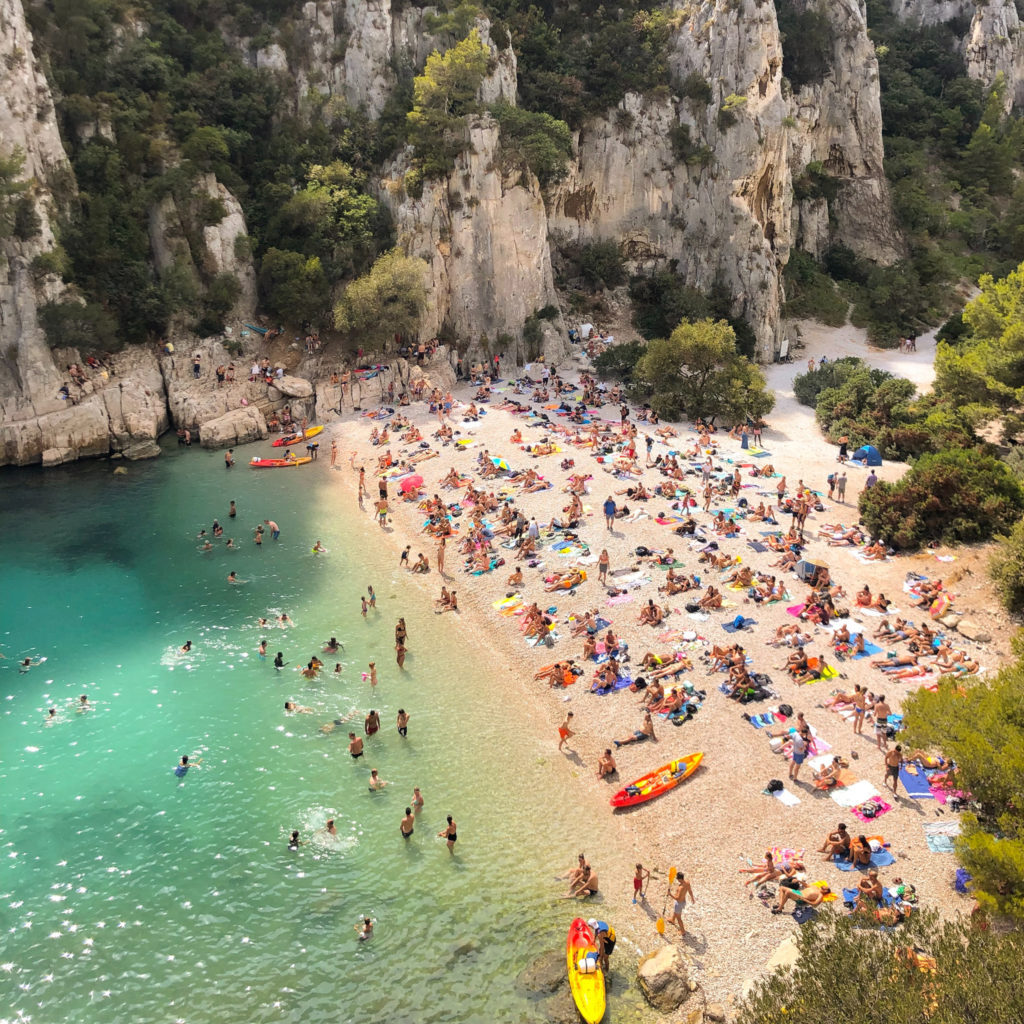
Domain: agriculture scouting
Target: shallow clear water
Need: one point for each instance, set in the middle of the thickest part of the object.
(127, 893)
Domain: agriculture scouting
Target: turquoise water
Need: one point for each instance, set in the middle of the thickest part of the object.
(127, 893)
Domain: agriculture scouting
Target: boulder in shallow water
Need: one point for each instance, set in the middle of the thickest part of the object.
(238, 426)
(545, 974)
(142, 450)
(664, 979)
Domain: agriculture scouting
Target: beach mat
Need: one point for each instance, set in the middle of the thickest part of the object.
(732, 627)
(857, 793)
(620, 684)
(916, 786)
(879, 859)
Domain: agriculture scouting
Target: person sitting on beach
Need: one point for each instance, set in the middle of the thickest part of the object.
(645, 732)
(743, 577)
(860, 851)
(606, 765)
(654, 694)
(828, 776)
(836, 844)
(651, 614)
(421, 564)
(586, 884)
(712, 599)
(764, 872)
(881, 603)
(863, 598)
(869, 892)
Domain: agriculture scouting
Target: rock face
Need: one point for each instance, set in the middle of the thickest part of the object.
(664, 979)
(994, 47)
(236, 427)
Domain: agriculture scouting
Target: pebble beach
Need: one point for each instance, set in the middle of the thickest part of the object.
(720, 820)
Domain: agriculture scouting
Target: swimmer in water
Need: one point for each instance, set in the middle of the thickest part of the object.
(279, 662)
(283, 620)
(83, 703)
(373, 673)
(372, 596)
(230, 545)
(318, 548)
(365, 930)
(297, 709)
(376, 782)
(186, 647)
(232, 512)
(28, 663)
(294, 842)
(332, 646)
(51, 715)
(201, 535)
(206, 547)
(233, 578)
(403, 722)
(417, 801)
(330, 828)
(337, 668)
(407, 823)
(262, 623)
(182, 767)
(355, 745)
(365, 606)
(262, 650)
(310, 671)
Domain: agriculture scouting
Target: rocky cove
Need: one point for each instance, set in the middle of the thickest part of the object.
(706, 174)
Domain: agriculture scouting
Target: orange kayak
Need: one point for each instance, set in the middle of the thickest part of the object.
(661, 780)
(297, 437)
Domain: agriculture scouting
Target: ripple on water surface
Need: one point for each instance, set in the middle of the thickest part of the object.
(130, 893)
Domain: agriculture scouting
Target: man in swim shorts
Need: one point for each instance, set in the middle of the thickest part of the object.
(407, 824)
(355, 745)
(893, 760)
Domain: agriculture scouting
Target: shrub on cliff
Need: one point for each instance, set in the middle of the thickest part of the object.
(849, 967)
(443, 97)
(977, 723)
(539, 141)
(388, 300)
(698, 371)
(956, 496)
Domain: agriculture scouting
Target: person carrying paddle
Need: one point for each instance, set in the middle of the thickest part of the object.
(679, 891)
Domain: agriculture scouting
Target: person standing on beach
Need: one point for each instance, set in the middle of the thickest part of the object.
(679, 891)
(781, 489)
(881, 712)
(382, 513)
(441, 544)
(403, 562)
(334, 453)
(841, 487)
(640, 880)
(565, 730)
(603, 562)
(798, 754)
(609, 513)
(893, 761)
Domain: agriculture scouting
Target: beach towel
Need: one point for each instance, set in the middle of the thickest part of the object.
(940, 844)
(857, 793)
(737, 624)
(620, 684)
(879, 859)
(861, 816)
(797, 610)
(869, 650)
(757, 546)
(915, 782)
(785, 797)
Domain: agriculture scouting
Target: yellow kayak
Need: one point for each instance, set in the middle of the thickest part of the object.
(587, 986)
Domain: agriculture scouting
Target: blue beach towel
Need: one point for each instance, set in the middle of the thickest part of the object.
(620, 684)
(879, 859)
(869, 649)
(916, 785)
(940, 844)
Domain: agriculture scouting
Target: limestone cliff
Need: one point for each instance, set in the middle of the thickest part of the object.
(839, 126)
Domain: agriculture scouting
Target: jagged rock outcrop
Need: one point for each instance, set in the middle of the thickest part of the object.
(122, 409)
(483, 233)
(839, 125)
(181, 239)
(994, 47)
(239, 426)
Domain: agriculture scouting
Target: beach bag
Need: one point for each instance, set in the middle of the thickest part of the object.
(692, 606)
(785, 709)
(641, 551)
(738, 622)
(774, 786)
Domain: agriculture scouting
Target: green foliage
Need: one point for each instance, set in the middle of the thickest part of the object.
(12, 194)
(686, 150)
(810, 294)
(294, 287)
(663, 299)
(698, 371)
(850, 970)
(221, 295)
(388, 300)
(815, 183)
(84, 326)
(617, 362)
(978, 724)
(601, 264)
(538, 141)
(954, 497)
(1007, 566)
(727, 115)
(696, 88)
(807, 42)
(443, 97)
(984, 372)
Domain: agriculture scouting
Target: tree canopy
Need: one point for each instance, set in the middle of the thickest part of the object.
(698, 372)
(388, 300)
(851, 971)
(979, 724)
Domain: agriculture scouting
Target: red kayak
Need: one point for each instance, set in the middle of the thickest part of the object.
(661, 780)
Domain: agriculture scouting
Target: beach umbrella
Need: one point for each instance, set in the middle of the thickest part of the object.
(499, 462)
(410, 483)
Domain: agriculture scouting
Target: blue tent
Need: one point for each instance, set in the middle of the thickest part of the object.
(868, 454)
